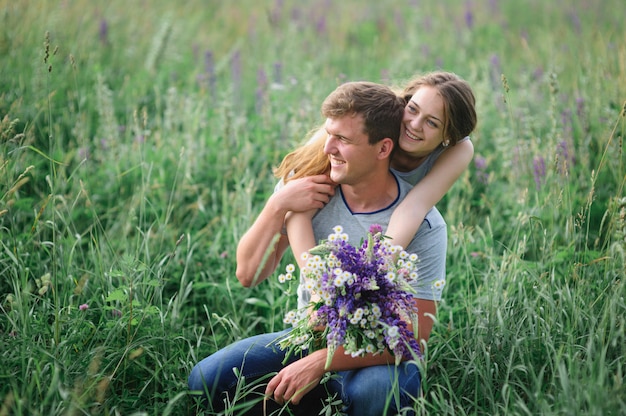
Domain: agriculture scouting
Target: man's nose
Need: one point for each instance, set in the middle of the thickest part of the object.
(329, 145)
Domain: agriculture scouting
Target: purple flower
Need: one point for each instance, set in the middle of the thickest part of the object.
(209, 72)
(399, 20)
(261, 91)
(320, 26)
(580, 107)
(493, 6)
(375, 228)
(278, 72)
(565, 158)
(83, 307)
(276, 12)
(235, 68)
(363, 298)
(539, 170)
(480, 163)
(261, 79)
(103, 31)
(469, 16)
(576, 22)
(83, 153)
(496, 70)
(427, 23)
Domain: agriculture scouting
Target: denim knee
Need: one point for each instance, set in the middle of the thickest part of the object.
(248, 359)
(379, 390)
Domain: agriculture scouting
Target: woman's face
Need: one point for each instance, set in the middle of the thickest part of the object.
(422, 125)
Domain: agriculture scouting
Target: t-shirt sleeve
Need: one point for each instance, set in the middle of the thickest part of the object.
(430, 244)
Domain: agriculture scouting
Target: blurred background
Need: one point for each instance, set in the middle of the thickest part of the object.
(137, 143)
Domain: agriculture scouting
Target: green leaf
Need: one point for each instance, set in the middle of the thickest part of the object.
(118, 295)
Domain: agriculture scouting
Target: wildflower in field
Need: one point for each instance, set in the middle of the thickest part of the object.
(83, 153)
(235, 70)
(580, 108)
(439, 284)
(103, 32)
(278, 73)
(480, 163)
(83, 307)
(208, 79)
(363, 298)
(287, 276)
(469, 18)
(565, 159)
(539, 170)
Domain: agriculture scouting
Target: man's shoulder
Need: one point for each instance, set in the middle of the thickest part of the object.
(404, 185)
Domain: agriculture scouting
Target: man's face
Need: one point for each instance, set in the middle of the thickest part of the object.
(350, 154)
(423, 122)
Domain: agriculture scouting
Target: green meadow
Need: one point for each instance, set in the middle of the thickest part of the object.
(137, 140)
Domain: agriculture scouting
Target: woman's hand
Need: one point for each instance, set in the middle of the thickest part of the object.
(308, 193)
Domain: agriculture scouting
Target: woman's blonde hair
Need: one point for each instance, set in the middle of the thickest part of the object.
(307, 160)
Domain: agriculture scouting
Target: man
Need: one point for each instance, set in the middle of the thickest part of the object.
(362, 123)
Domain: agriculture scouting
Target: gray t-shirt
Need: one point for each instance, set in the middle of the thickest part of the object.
(416, 175)
(430, 242)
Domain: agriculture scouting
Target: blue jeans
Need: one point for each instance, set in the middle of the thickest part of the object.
(239, 373)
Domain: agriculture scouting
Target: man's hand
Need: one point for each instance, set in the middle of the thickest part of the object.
(304, 194)
(297, 379)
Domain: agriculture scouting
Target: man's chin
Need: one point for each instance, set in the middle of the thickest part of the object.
(335, 176)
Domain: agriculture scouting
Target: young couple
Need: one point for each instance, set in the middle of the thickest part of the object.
(380, 158)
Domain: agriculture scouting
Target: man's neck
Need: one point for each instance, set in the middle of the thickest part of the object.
(372, 195)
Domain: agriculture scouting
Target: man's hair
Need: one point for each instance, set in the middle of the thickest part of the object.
(382, 110)
(459, 103)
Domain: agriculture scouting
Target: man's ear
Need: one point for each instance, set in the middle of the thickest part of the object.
(385, 149)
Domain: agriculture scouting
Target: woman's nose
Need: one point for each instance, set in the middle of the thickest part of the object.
(416, 123)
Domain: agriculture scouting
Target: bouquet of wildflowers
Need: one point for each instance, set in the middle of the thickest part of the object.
(360, 298)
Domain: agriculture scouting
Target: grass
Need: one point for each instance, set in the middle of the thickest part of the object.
(136, 148)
